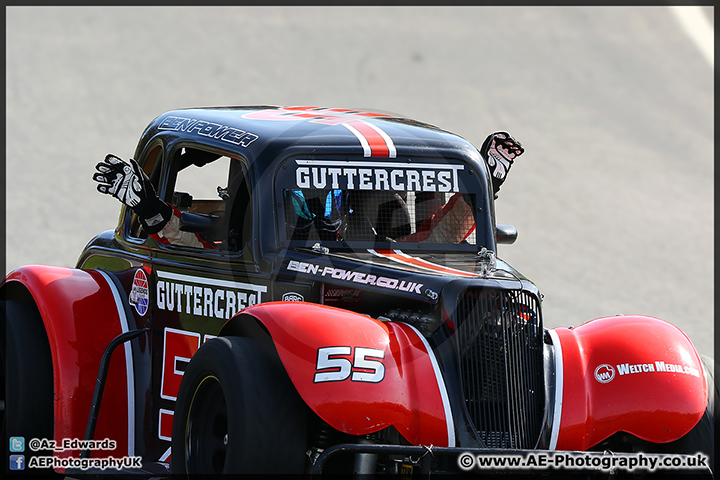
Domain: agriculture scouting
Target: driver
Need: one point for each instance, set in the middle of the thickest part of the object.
(127, 182)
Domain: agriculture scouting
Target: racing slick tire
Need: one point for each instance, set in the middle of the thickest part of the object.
(28, 384)
(237, 412)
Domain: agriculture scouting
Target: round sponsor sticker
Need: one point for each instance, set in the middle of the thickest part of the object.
(140, 293)
(604, 373)
(293, 297)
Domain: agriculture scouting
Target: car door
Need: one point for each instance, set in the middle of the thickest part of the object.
(199, 285)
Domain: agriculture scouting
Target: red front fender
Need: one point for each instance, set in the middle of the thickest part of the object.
(81, 317)
(636, 374)
(359, 374)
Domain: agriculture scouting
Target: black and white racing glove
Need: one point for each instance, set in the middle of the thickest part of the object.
(499, 150)
(128, 183)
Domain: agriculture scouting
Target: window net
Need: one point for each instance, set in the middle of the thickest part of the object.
(370, 216)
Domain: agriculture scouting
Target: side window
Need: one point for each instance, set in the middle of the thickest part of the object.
(152, 170)
(200, 189)
(204, 188)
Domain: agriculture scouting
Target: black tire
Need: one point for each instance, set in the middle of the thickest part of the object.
(237, 412)
(28, 380)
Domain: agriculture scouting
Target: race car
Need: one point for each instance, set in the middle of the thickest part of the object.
(343, 311)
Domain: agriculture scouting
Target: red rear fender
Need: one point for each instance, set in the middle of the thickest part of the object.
(81, 317)
(357, 373)
(636, 374)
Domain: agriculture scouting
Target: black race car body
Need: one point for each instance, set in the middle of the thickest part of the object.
(350, 314)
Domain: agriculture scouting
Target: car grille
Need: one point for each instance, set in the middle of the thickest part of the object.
(501, 360)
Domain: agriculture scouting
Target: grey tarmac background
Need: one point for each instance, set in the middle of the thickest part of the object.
(613, 199)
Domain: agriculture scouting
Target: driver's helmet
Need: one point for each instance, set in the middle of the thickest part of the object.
(323, 210)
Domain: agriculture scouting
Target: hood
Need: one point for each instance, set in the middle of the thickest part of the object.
(418, 275)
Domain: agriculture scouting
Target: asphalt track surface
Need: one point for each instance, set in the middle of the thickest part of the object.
(613, 199)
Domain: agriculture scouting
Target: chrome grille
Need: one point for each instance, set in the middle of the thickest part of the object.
(500, 346)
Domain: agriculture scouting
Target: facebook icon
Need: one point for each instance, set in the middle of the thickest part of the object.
(17, 462)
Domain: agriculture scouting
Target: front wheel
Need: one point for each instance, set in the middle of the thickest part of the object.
(237, 412)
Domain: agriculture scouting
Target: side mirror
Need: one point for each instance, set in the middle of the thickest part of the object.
(505, 234)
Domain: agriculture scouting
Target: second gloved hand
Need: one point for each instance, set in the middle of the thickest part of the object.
(499, 150)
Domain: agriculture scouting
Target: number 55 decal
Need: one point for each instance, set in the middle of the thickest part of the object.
(333, 366)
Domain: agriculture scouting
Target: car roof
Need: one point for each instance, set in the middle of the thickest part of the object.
(266, 138)
(252, 131)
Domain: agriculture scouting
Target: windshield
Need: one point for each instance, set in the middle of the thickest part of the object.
(358, 204)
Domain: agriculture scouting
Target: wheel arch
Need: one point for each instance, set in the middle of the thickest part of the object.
(400, 393)
(68, 302)
(634, 374)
